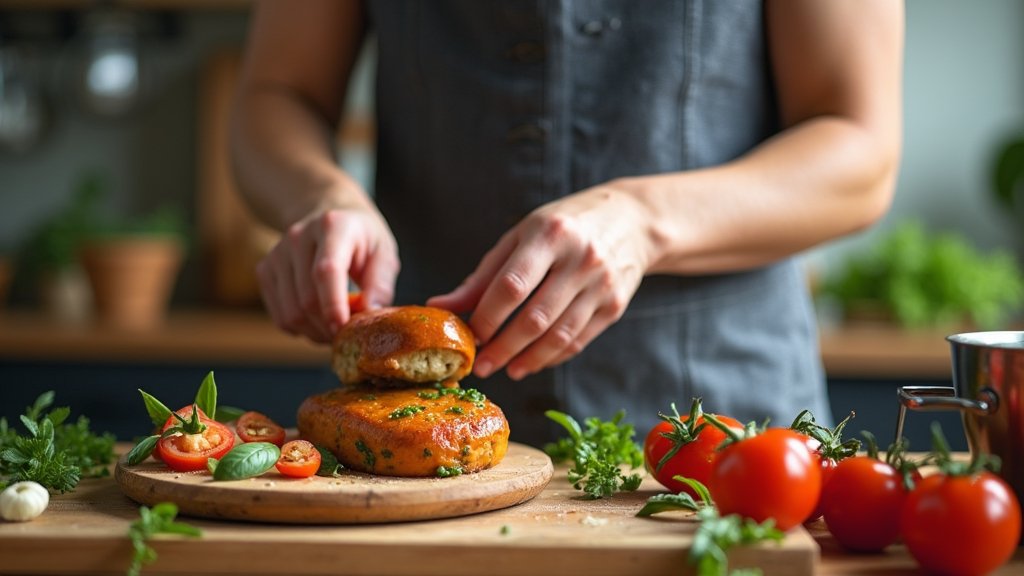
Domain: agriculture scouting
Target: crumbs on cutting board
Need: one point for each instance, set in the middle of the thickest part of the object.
(589, 520)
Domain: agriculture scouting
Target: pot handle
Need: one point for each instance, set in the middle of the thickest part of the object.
(927, 398)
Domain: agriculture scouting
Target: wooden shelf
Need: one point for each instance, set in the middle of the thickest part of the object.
(187, 336)
(872, 351)
(250, 338)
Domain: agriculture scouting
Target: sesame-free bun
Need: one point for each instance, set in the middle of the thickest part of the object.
(403, 345)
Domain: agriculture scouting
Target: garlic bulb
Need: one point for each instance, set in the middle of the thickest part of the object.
(23, 501)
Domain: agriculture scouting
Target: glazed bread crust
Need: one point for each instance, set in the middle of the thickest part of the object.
(403, 345)
(407, 431)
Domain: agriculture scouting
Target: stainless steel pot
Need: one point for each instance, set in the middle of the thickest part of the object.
(988, 388)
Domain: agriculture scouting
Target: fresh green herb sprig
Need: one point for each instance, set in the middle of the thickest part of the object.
(245, 461)
(56, 453)
(598, 454)
(329, 465)
(716, 534)
(156, 520)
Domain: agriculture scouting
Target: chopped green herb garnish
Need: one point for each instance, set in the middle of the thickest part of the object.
(369, 396)
(368, 456)
(427, 453)
(505, 529)
(405, 411)
(448, 471)
(455, 410)
(387, 454)
(465, 451)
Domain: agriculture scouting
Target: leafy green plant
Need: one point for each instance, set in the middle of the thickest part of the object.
(930, 280)
(55, 453)
(160, 519)
(597, 454)
(1008, 172)
(53, 244)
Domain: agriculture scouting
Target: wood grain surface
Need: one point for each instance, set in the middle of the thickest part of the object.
(556, 533)
(349, 498)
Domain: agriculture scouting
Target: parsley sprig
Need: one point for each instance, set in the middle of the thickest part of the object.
(156, 520)
(598, 454)
(716, 534)
(55, 453)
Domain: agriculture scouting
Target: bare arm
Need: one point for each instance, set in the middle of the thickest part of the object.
(571, 267)
(838, 69)
(297, 65)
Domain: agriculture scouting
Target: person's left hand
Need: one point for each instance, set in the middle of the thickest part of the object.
(573, 265)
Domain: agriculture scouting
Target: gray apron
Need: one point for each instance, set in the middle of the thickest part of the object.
(487, 110)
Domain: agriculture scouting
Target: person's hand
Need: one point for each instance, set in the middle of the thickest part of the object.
(573, 265)
(304, 279)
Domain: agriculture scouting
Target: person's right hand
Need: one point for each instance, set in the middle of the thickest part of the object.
(304, 280)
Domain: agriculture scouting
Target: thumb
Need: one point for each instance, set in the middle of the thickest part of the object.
(378, 281)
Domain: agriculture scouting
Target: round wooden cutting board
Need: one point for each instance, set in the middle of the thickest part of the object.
(350, 498)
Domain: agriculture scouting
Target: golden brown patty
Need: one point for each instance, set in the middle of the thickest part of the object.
(421, 431)
(410, 344)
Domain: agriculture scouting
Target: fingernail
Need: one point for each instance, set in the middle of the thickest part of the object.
(484, 368)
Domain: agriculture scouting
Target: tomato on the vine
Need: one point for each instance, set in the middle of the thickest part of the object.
(963, 519)
(828, 447)
(861, 503)
(684, 446)
(766, 474)
(185, 452)
(299, 459)
(257, 427)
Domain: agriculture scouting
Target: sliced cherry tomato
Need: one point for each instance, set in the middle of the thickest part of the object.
(257, 427)
(186, 452)
(698, 446)
(861, 503)
(961, 524)
(770, 474)
(356, 302)
(299, 459)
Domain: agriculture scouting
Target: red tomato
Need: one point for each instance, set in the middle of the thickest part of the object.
(356, 302)
(861, 503)
(961, 524)
(256, 427)
(828, 470)
(692, 460)
(769, 475)
(186, 452)
(299, 459)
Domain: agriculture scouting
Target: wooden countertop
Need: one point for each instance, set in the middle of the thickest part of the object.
(248, 337)
(84, 532)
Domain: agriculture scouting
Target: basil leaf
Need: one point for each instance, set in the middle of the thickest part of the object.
(211, 464)
(142, 450)
(206, 397)
(329, 465)
(158, 413)
(228, 413)
(246, 461)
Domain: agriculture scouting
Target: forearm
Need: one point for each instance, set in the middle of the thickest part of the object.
(816, 181)
(283, 153)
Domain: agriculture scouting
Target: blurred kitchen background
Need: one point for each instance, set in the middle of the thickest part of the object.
(112, 125)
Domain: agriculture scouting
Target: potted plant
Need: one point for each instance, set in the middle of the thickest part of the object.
(49, 257)
(132, 266)
(920, 280)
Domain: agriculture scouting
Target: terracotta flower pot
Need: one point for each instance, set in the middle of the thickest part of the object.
(132, 278)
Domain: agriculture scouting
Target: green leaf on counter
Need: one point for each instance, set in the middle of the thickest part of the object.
(717, 534)
(206, 396)
(667, 503)
(329, 465)
(598, 454)
(247, 461)
(156, 520)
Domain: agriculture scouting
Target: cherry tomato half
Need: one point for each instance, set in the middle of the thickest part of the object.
(861, 503)
(299, 459)
(257, 427)
(186, 452)
(961, 524)
(769, 475)
(692, 460)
